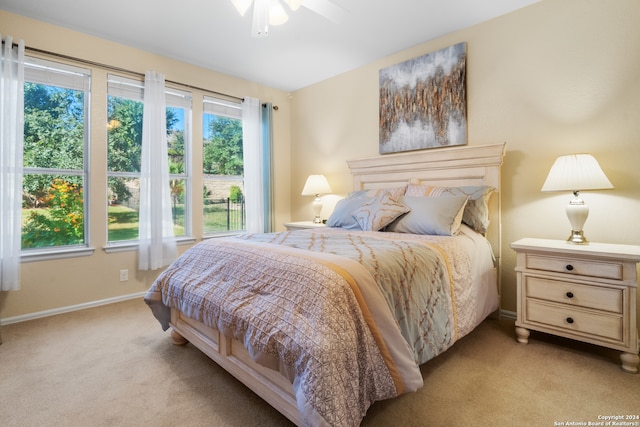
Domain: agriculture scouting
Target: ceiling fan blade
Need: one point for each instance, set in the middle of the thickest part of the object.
(325, 8)
(241, 5)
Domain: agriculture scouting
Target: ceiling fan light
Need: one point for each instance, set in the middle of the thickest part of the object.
(277, 14)
(242, 5)
(293, 4)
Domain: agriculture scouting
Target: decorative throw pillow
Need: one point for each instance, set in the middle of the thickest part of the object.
(476, 211)
(379, 212)
(342, 215)
(439, 216)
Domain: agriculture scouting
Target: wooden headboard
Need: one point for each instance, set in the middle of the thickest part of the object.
(452, 166)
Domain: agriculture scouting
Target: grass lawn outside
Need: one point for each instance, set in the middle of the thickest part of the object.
(123, 221)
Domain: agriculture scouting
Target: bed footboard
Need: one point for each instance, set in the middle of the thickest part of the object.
(233, 357)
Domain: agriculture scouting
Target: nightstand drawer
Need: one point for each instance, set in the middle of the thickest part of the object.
(600, 298)
(605, 270)
(583, 292)
(595, 324)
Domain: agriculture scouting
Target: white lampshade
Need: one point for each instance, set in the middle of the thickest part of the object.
(576, 172)
(315, 186)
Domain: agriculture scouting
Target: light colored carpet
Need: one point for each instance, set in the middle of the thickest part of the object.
(113, 366)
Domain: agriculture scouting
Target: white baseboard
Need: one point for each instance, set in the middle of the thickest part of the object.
(508, 314)
(70, 308)
(23, 318)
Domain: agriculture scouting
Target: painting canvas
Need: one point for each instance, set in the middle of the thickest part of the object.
(423, 102)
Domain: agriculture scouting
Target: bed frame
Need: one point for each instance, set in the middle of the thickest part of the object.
(455, 166)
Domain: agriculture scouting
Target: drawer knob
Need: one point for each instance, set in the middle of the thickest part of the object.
(569, 294)
(569, 267)
(569, 320)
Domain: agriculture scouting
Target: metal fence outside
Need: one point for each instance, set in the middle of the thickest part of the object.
(230, 215)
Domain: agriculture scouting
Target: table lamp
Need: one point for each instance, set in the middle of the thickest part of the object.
(315, 186)
(576, 172)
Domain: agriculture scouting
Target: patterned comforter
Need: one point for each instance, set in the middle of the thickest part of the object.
(349, 316)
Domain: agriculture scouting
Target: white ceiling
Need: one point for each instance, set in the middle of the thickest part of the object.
(305, 50)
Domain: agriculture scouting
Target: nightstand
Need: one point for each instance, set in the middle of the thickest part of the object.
(583, 292)
(300, 225)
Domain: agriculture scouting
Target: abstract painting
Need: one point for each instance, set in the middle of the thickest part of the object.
(423, 102)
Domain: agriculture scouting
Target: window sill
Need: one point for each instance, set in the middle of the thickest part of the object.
(35, 255)
(131, 246)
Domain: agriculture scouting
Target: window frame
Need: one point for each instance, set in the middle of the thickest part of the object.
(132, 89)
(57, 74)
(177, 98)
(224, 108)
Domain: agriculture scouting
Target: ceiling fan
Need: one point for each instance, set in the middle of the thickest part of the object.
(272, 12)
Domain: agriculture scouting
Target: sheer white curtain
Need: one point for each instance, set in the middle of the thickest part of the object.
(157, 247)
(252, 149)
(11, 145)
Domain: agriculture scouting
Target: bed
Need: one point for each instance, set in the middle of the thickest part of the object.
(322, 323)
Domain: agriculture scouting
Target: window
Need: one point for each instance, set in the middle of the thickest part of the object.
(223, 166)
(124, 148)
(56, 109)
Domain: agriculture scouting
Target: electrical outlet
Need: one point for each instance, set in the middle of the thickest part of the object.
(124, 275)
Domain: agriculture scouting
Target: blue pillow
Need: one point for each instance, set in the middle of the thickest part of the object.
(476, 211)
(439, 216)
(342, 215)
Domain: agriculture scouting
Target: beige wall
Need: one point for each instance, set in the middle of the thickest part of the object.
(554, 78)
(58, 284)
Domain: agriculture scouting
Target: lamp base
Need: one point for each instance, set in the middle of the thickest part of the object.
(317, 209)
(577, 213)
(577, 238)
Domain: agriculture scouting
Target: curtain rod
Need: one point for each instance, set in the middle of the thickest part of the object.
(123, 70)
